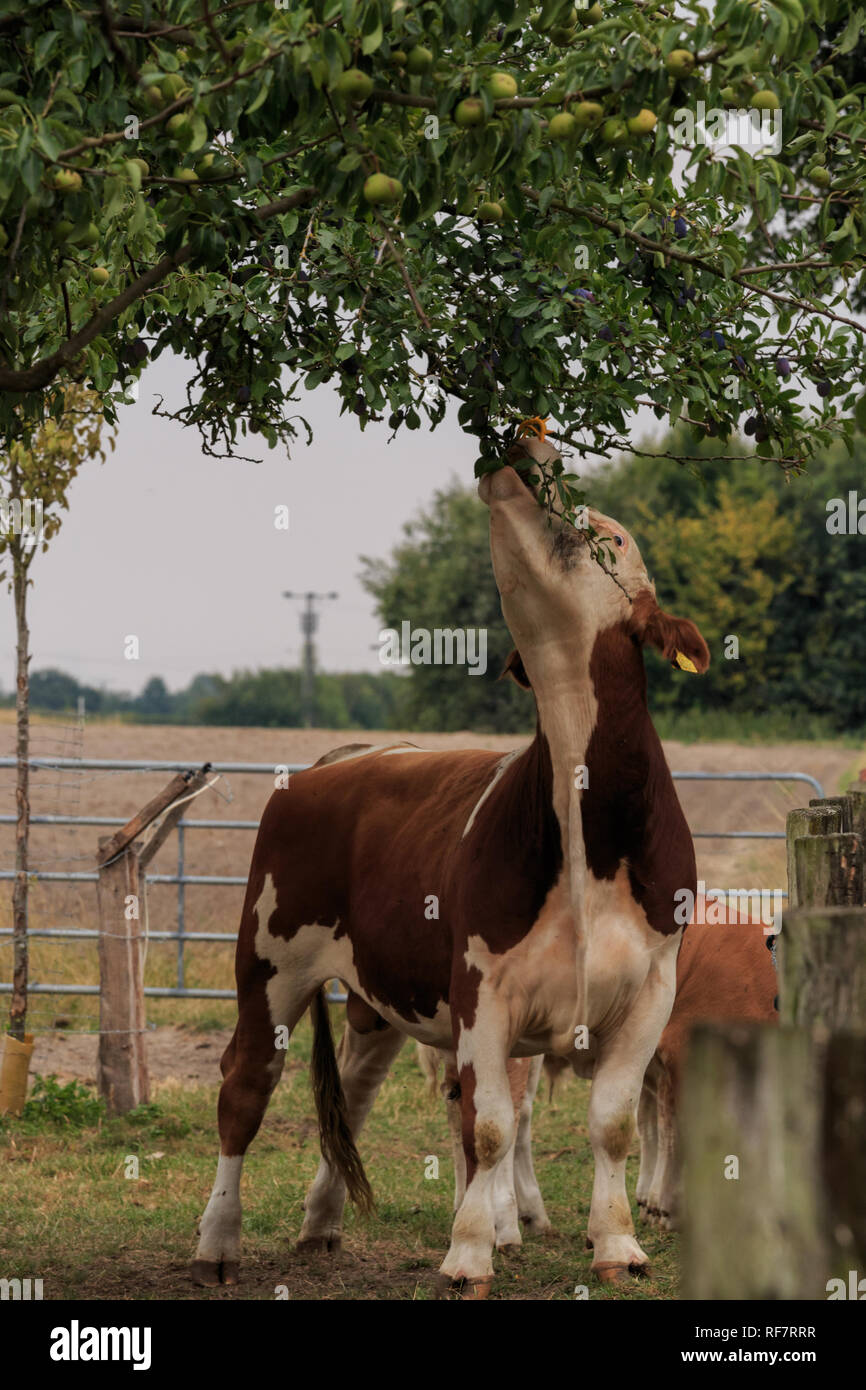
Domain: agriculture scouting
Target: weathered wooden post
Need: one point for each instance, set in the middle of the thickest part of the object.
(774, 1120)
(822, 965)
(122, 1065)
(820, 820)
(121, 899)
(750, 1120)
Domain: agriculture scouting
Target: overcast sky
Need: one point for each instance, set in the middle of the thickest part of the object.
(181, 551)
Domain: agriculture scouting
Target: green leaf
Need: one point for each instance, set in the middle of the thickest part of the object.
(370, 42)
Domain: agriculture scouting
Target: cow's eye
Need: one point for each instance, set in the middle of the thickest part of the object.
(618, 539)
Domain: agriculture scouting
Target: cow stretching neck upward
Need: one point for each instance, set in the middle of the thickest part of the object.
(493, 906)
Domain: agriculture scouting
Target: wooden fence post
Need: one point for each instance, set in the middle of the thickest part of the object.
(844, 806)
(788, 1103)
(821, 955)
(822, 965)
(122, 903)
(828, 870)
(820, 820)
(122, 1069)
(844, 1150)
(750, 1122)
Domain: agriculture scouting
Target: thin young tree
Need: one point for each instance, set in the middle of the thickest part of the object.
(36, 481)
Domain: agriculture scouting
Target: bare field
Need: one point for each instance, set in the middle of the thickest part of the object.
(708, 806)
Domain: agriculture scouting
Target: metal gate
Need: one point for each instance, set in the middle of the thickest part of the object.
(182, 879)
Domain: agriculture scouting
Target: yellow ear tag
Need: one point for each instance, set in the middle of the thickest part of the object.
(684, 663)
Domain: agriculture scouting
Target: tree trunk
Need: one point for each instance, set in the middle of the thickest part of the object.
(18, 1006)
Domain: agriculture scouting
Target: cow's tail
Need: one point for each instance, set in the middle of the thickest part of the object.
(335, 1134)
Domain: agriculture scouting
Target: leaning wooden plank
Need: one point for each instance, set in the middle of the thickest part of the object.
(172, 816)
(139, 822)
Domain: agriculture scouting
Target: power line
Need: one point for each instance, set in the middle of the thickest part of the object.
(309, 623)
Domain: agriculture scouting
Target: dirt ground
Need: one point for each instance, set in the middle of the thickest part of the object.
(179, 1054)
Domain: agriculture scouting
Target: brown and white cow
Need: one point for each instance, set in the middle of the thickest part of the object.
(554, 888)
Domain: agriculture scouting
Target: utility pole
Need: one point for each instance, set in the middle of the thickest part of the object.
(309, 623)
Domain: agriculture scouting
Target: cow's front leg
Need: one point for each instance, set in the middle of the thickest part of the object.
(516, 1197)
(622, 1061)
(488, 1129)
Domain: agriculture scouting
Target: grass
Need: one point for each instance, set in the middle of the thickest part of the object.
(72, 1217)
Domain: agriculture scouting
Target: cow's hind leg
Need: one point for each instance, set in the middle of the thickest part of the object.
(365, 1060)
(647, 1123)
(251, 1067)
(530, 1204)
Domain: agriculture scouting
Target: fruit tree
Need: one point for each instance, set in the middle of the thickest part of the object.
(428, 200)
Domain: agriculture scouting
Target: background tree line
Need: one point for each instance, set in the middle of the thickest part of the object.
(737, 547)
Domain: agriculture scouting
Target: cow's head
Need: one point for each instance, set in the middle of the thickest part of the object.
(556, 598)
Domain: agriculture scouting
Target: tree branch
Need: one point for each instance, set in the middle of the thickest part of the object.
(37, 376)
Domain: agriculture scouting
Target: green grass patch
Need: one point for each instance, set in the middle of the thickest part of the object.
(108, 1208)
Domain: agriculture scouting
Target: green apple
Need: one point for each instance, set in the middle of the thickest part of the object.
(562, 36)
(765, 101)
(820, 177)
(644, 123)
(398, 58)
(99, 275)
(590, 16)
(380, 189)
(353, 85)
(562, 126)
(67, 181)
(614, 131)
(85, 234)
(729, 96)
(179, 127)
(172, 87)
(469, 112)
(490, 212)
(501, 85)
(588, 114)
(62, 230)
(143, 166)
(154, 98)
(185, 175)
(419, 60)
(680, 62)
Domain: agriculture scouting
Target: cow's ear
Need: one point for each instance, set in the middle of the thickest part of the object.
(676, 638)
(515, 668)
